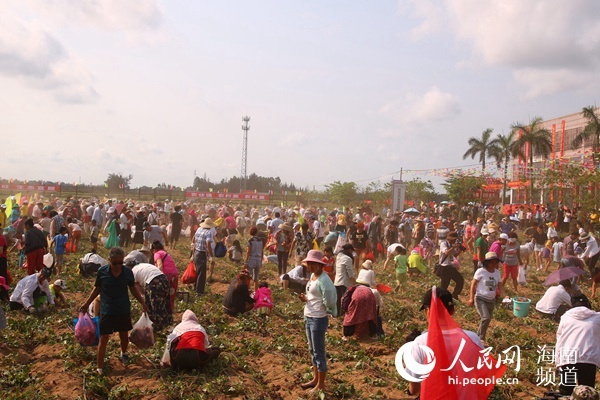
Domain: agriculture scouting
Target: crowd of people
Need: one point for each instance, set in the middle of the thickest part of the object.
(328, 257)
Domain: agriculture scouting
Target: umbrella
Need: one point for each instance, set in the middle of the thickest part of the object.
(412, 211)
(563, 274)
(572, 261)
(515, 219)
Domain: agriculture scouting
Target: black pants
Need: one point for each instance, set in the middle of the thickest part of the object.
(591, 263)
(200, 259)
(192, 359)
(125, 238)
(349, 330)
(340, 290)
(449, 273)
(586, 375)
(282, 259)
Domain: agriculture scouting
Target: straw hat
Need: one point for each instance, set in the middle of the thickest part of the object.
(368, 264)
(208, 223)
(287, 227)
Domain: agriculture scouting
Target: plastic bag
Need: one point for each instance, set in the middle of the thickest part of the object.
(341, 241)
(142, 334)
(189, 276)
(48, 260)
(87, 331)
(522, 277)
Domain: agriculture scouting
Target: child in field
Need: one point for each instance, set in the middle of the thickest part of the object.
(235, 251)
(264, 301)
(401, 262)
(547, 254)
(57, 291)
(483, 291)
(416, 265)
(59, 243)
(557, 246)
(94, 233)
(329, 260)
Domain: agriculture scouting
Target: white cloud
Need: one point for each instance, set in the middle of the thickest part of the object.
(30, 53)
(105, 14)
(418, 110)
(536, 39)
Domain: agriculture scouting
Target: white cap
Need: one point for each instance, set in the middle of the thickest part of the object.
(60, 283)
(504, 236)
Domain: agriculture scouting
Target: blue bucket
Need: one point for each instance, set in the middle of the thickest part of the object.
(521, 306)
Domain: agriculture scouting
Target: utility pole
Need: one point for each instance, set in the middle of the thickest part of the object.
(244, 175)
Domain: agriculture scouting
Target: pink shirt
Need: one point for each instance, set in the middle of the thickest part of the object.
(169, 267)
(263, 298)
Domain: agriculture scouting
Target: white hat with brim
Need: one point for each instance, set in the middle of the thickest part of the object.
(368, 264)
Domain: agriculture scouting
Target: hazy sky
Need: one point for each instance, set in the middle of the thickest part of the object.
(336, 90)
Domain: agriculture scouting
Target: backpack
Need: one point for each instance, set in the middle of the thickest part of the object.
(220, 250)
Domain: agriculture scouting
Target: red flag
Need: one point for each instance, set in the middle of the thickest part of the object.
(458, 359)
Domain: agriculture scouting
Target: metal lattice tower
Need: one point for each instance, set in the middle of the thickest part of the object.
(244, 175)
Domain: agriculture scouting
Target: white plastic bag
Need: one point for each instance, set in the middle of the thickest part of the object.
(142, 334)
(341, 241)
(48, 260)
(522, 277)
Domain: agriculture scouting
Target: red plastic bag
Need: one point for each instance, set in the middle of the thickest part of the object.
(142, 334)
(68, 247)
(189, 276)
(383, 288)
(379, 248)
(85, 330)
(370, 256)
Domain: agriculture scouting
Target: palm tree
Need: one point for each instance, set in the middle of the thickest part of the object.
(539, 140)
(482, 147)
(592, 129)
(504, 149)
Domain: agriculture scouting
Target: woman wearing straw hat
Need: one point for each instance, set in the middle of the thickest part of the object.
(284, 238)
(320, 300)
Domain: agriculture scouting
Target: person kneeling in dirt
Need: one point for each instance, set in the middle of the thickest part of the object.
(296, 279)
(57, 291)
(237, 299)
(32, 292)
(188, 346)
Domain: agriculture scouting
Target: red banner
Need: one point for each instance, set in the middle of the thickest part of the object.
(32, 188)
(232, 196)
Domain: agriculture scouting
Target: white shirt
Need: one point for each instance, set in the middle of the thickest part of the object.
(392, 247)
(144, 273)
(551, 232)
(366, 276)
(314, 308)
(487, 282)
(123, 221)
(297, 274)
(579, 330)
(23, 293)
(552, 299)
(344, 270)
(318, 229)
(592, 248)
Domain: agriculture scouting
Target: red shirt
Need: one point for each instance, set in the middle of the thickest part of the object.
(191, 340)
(3, 246)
